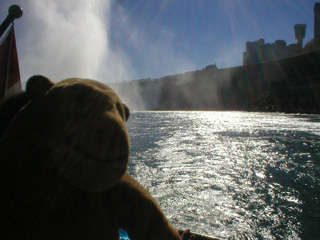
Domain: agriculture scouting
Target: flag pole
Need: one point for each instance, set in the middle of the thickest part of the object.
(14, 12)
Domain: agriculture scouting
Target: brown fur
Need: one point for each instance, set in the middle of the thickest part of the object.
(64, 158)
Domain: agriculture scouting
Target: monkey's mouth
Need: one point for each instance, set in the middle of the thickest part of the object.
(87, 155)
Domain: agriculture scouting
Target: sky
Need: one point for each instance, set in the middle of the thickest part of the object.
(123, 40)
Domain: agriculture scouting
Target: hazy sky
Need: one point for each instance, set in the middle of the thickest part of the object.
(121, 40)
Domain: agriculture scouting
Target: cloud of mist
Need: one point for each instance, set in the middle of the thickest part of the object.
(96, 39)
(70, 38)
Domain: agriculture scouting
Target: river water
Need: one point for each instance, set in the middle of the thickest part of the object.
(233, 175)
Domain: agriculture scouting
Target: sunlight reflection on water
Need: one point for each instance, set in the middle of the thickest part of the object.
(231, 174)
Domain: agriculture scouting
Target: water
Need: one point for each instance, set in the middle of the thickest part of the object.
(233, 175)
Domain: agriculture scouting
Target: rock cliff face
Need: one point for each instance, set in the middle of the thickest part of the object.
(237, 88)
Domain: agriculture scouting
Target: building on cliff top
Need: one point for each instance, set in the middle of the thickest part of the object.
(259, 52)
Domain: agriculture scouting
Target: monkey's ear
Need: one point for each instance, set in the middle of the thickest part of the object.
(38, 86)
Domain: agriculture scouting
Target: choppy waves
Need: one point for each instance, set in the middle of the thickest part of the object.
(233, 175)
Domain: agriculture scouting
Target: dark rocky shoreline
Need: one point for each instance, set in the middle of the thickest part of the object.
(267, 103)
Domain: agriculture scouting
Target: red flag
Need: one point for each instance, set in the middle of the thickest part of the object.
(10, 81)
